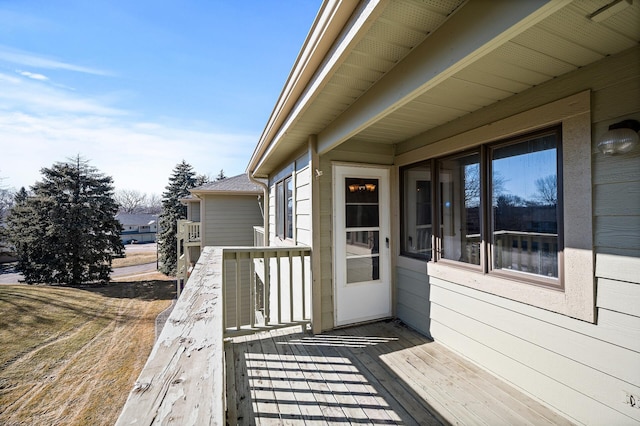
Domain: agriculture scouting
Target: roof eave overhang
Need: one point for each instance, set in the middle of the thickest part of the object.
(329, 23)
(473, 32)
(470, 34)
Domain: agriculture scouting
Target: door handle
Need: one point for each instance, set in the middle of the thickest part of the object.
(386, 240)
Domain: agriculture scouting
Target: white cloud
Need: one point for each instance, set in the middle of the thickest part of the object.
(21, 57)
(34, 76)
(18, 94)
(41, 123)
(137, 155)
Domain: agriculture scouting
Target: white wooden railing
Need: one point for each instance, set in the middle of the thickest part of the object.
(189, 231)
(266, 287)
(187, 236)
(183, 381)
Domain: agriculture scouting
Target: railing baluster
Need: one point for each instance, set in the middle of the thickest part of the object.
(252, 292)
(290, 286)
(279, 288)
(304, 298)
(267, 288)
(238, 293)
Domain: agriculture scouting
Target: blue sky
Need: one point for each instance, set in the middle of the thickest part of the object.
(137, 86)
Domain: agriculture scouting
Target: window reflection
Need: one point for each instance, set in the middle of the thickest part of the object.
(363, 259)
(525, 206)
(362, 211)
(417, 227)
(460, 208)
(289, 207)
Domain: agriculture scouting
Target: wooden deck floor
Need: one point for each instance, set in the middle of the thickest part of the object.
(381, 373)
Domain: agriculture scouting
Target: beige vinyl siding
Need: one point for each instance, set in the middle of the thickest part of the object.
(578, 368)
(354, 152)
(300, 171)
(413, 295)
(229, 221)
(302, 208)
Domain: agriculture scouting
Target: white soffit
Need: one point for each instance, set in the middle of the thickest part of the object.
(351, 102)
(560, 43)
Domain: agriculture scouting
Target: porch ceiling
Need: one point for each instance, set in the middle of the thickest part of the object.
(539, 49)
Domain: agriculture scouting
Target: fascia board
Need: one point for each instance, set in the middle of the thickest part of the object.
(329, 22)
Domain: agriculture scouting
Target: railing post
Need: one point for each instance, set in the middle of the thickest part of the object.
(223, 291)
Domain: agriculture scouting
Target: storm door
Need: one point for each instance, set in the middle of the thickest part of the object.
(362, 272)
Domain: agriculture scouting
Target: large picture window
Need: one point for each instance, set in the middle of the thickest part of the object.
(497, 208)
(524, 206)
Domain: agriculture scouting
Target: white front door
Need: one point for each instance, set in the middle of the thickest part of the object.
(362, 280)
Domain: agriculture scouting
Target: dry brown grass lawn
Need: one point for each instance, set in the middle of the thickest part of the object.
(134, 258)
(70, 356)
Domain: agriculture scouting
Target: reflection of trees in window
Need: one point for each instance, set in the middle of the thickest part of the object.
(525, 224)
(547, 190)
(518, 200)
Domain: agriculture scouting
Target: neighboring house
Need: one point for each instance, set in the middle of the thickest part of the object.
(220, 213)
(138, 227)
(410, 149)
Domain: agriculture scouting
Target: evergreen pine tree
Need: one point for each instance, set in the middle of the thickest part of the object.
(182, 179)
(221, 175)
(66, 231)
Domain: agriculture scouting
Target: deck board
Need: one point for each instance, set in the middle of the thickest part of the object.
(379, 373)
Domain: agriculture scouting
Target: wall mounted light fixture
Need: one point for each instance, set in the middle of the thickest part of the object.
(621, 138)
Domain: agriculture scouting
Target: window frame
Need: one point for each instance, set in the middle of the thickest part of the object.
(485, 211)
(430, 164)
(577, 299)
(284, 214)
(535, 279)
(438, 213)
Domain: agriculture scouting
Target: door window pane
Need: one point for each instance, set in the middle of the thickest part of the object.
(460, 208)
(362, 211)
(361, 197)
(417, 227)
(525, 206)
(363, 259)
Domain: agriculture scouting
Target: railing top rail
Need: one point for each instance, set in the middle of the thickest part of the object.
(526, 233)
(183, 379)
(269, 249)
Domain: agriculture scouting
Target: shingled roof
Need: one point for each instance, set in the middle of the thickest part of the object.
(232, 185)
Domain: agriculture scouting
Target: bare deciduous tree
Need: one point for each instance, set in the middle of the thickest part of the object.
(154, 204)
(130, 200)
(547, 190)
